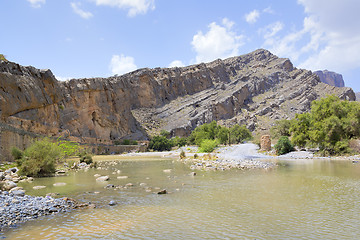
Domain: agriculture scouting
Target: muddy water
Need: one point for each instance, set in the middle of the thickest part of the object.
(306, 200)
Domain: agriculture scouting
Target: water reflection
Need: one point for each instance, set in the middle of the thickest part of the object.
(313, 199)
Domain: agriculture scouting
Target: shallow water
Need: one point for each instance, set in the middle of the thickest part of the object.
(302, 200)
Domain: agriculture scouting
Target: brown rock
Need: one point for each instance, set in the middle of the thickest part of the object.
(265, 143)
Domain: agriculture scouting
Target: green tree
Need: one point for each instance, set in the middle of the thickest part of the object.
(208, 145)
(281, 128)
(160, 143)
(330, 125)
(205, 131)
(40, 158)
(300, 128)
(283, 146)
(223, 135)
(239, 134)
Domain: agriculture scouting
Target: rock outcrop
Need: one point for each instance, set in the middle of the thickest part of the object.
(253, 89)
(331, 78)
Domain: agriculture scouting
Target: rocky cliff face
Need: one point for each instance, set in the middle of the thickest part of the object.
(331, 78)
(254, 89)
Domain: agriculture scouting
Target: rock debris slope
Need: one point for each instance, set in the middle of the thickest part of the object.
(253, 89)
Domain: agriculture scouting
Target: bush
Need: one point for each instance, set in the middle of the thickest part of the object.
(85, 157)
(239, 134)
(208, 145)
(281, 128)
(165, 133)
(178, 141)
(16, 153)
(283, 146)
(160, 143)
(40, 158)
(182, 154)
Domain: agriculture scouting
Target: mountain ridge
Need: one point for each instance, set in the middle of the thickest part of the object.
(254, 89)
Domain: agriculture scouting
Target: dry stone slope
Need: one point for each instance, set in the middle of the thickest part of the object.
(253, 89)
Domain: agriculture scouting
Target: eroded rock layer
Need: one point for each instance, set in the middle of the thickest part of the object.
(253, 89)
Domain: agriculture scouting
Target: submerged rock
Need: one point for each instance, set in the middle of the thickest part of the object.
(103, 179)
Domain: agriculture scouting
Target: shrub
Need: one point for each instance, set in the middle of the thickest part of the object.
(208, 145)
(16, 153)
(239, 134)
(164, 133)
(160, 143)
(178, 141)
(85, 157)
(40, 158)
(281, 128)
(182, 154)
(283, 146)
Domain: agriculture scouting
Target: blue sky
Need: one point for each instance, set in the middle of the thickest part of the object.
(100, 38)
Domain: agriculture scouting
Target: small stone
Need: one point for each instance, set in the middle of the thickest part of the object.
(38, 187)
(167, 171)
(112, 203)
(192, 174)
(97, 175)
(129, 185)
(122, 177)
(162, 192)
(142, 184)
(59, 184)
(103, 178)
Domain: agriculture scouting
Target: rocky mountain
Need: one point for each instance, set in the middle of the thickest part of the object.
(331, 78)
(254, 89)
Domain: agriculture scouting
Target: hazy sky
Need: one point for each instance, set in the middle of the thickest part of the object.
(99, 38)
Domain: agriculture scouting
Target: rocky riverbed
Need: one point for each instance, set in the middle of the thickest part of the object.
(16, 208)
(242, 156)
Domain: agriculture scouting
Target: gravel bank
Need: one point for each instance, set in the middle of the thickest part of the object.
(242, 156)
(16, 209)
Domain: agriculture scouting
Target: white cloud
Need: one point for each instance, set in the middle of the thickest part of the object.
(268, 10)
(252, 16)
(335, 34)
(176, 63)
(218, 42)
(122, 64)
(328, 39)
(134, 7)
(36, 3)
(272, 29)
(76, 8)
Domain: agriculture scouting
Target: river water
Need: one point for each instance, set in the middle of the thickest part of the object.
(312, 199)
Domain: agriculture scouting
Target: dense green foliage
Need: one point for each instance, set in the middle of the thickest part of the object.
(329, 126)
(281, 128)
(160, 143)
(40, 158)
(16, 153)
(179, 141)
(208, 145)
(283, 146)
(239, 134)
(85, 157)
(212, 131)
